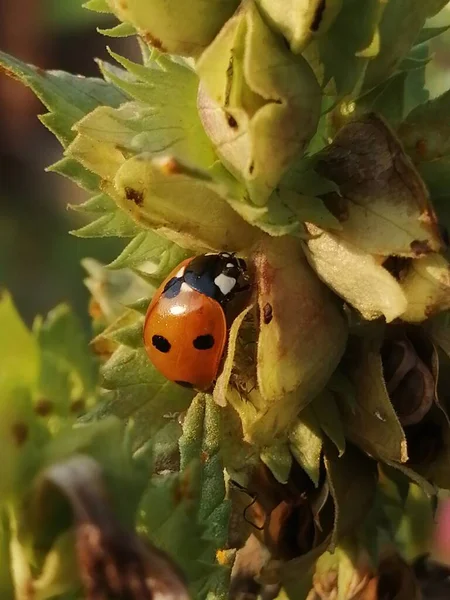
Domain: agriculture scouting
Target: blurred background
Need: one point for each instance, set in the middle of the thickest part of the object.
(39, 261)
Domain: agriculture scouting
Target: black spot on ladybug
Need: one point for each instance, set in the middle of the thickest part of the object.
(134, 195)
(172, 287)
(185, 384)
(232, 122)
(161, 343)
(204, 342)
(267, 313)
(318, 16)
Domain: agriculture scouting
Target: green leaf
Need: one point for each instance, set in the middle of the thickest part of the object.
(326, 411)
(285, 213)
(71, 169)
(305, 442)
(439, 328)
(279, 460)
(400, 220)
(127, 330)
(109, 442)
(367, 286)
(100, 6)
(114, 290)
(147, 251)
(190, 506)
(68, 372)
(352, 479)
(67, 97)
(425, 133)
(343, 53)
(429, 33)
(165, 118)
(436, 174)
(400, 26)
(119, 31)
(19, 353)
(140, 392)
(112, 222)
(201, 441)
(373, 425)
(391, 99)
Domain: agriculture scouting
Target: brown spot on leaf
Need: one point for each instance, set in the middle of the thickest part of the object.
(232, 121)
(151, 40)
(134, 195)
(267, 313)
(95, 310)
(78, 406)
(421, 148)
(103, 347)
(43, 407)
(9, 72)
(171, 167)
(204, 457)
(318, 15)
(182, 491)
(20, 433)
(251, 168)
(420, 247)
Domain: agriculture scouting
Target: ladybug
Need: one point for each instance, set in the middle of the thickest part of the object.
(185, 329)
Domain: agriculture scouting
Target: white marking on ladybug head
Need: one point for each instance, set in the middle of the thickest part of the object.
(225, 283)
(230, 265)
(180, 272)
(185, 287)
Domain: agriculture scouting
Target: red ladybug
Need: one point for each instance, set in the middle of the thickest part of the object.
(185, 328)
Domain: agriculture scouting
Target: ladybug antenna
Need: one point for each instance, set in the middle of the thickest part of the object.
(247, 520)
(254, 498)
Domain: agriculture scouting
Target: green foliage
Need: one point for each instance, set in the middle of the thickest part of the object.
(47, 455)
(301, 136)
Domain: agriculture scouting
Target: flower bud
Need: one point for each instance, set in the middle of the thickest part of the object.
(259, 119)
(302, 332)
(175, 26)
(299, 20)
(426, 287)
